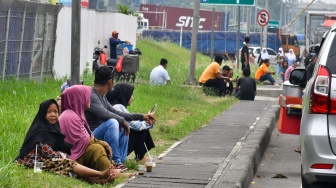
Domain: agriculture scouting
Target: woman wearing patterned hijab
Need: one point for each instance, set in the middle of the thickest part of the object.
(120, 97)
(45, 135)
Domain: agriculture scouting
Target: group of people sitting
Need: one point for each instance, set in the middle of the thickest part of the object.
(89, 132)
(220, 83)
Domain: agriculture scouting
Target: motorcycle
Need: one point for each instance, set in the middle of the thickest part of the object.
(99, 57)
(129, 63)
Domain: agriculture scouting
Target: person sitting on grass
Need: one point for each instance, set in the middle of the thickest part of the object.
(120, 97)
(107, 123)
(86, 150)
(211, 78)
(283, 69)
(246, 86)
(45, 135)
(263, 73)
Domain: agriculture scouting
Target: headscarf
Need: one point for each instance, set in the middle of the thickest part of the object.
(264, 55)
(291, 55)
(281, 52)
(120, 94)
(42, 131)
(73, 123)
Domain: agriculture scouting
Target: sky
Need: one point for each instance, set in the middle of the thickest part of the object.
(324, 1)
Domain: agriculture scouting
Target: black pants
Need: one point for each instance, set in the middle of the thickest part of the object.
(218, 84)
(243, 66)
(136, 143)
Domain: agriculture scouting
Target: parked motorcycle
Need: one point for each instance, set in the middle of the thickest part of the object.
(126, 65)
(99, 57)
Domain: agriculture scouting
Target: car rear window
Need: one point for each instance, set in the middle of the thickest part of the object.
(331, 60)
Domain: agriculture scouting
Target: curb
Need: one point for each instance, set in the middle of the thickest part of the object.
(240, 170)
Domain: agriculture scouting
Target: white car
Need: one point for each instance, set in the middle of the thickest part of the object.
(255, 51)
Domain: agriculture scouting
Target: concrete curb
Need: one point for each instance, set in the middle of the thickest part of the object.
(239, 172)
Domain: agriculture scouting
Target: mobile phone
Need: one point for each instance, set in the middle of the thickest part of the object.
(154, 108)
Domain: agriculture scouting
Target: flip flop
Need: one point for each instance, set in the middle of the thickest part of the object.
(298, 149)
(122, 167)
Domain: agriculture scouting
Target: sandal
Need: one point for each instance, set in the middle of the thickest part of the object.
(122, 167)
(298, 149)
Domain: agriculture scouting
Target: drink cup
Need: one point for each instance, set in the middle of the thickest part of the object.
(38, 167)
(149, 166)
(141, 169)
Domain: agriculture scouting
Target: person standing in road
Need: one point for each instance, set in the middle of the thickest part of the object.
(311, 65)
(159, 75)
(114, 42)
(245, 55)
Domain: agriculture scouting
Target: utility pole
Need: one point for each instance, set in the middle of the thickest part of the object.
(265, 29)
(212, 34)
(191, 80)
(248, 19)
(75, 42)
(238, 38)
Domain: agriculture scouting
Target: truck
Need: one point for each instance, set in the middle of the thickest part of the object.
(143, 24)
(175, 18)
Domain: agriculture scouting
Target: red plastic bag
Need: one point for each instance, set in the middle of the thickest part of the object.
(102, 59)
(120, 63)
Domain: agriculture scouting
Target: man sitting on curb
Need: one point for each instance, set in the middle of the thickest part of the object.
(211, 78)
(263, 73)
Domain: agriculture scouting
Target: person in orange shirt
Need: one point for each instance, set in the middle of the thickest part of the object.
(263, 73)
(212, 78)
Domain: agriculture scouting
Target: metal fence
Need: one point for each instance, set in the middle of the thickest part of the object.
(27, 38)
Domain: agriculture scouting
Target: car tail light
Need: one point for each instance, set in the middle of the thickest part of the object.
(322, 166)
(320, 94)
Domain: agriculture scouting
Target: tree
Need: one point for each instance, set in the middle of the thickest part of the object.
(125, 10)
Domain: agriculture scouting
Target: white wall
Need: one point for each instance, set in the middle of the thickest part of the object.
(94, 26)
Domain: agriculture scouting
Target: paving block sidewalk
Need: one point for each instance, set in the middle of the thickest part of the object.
(224, 153)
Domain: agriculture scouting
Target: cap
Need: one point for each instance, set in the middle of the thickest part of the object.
(115, 33)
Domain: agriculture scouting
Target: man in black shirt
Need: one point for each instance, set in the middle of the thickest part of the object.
(245, 56)
(246, 86)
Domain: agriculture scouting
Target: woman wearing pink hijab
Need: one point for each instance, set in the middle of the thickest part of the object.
(86, 150)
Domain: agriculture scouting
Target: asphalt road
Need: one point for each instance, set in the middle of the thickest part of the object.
(279, 159)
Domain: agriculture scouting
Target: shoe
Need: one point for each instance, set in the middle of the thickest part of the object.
(122, 167)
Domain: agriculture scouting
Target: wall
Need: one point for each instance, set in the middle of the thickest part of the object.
(95, 26)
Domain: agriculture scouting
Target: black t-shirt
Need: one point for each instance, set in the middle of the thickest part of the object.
(244, 50)
(247, 87)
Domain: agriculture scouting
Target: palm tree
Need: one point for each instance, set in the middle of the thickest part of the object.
(125, 10)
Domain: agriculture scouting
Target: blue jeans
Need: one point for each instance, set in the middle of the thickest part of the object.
(109, 132)
(268, 77)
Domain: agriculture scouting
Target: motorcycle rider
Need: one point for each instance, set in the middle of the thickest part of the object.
(114, 42)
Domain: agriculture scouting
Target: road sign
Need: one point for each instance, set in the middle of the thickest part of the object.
(263, 18)
(229, 2)
(273, 24)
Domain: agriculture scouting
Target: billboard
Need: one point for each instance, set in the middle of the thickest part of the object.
(84, 3)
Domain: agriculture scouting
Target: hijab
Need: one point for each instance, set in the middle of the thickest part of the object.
(264, 55)
(281, 52)
(120, 94)
(41, 130)
(291, 56)
(75, 101)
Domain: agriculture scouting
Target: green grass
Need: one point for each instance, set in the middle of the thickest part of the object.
(181, 110)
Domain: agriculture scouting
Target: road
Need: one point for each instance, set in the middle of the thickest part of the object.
(279, 158)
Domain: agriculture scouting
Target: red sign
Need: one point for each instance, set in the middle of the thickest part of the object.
(263, 18)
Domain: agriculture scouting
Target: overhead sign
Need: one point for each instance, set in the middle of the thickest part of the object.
(229, 2)
(263, 18)
(273, 24)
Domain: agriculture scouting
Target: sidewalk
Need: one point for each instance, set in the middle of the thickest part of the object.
(224, 153)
